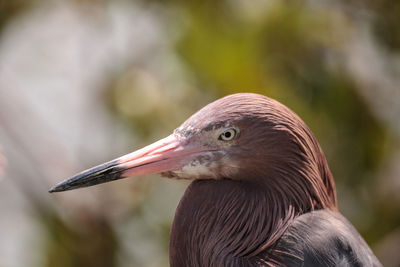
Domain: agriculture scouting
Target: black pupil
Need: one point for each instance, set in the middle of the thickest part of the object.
(228, 134)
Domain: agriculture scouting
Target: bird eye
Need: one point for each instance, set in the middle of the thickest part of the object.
(228, 134)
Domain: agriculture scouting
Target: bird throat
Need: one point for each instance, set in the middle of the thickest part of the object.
(224, 222)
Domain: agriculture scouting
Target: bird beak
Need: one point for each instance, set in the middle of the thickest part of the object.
(168, 154)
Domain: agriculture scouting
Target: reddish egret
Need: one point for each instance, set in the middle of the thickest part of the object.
(262, 192)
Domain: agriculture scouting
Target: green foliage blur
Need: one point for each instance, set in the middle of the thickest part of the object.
(294, 51)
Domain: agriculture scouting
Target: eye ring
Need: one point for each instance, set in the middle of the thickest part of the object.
(228, 134)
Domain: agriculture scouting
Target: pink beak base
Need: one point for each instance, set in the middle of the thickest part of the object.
(167, 154)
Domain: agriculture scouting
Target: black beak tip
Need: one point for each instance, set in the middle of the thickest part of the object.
(100, 174)
(52, 190)
(57, 188)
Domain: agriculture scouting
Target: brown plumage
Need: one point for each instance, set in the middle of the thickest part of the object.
(259, 176)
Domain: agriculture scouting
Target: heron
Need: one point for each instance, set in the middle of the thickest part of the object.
(261, 193)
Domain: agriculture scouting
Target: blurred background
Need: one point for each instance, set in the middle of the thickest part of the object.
(85, 81)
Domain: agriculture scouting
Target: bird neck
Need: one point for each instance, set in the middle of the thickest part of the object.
(222, 221)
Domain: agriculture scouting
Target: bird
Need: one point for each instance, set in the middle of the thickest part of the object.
(261, 191)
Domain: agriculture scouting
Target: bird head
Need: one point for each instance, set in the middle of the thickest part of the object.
(245, 137)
